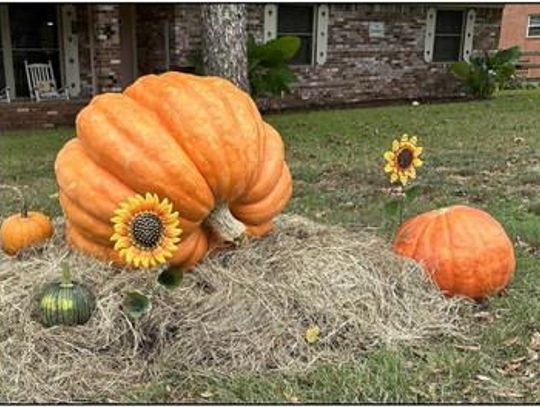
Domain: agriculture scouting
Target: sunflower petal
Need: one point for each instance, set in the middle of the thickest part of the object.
(129, 255)
(160, 258)
(417, 162)
(403, 178)
(413, 140)
(395, 146)
(145, 261)
(389, 168)
(173, 232)
(117, 219)
(418, 151)
(136, 261)
(121, 228)
(393, 177)
(122, 243)
(389, 156)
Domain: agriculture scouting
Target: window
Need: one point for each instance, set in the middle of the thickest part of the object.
(298, 21)
(448, 36)
(533, 28)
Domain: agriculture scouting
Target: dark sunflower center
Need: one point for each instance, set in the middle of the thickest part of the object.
(405, 158)
(146, 230)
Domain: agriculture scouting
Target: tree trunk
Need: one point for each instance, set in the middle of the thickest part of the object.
(224, 34)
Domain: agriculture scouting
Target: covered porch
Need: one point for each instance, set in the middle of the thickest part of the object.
(92, 47)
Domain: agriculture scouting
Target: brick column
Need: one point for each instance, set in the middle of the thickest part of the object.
(186, 38)
(107, 58)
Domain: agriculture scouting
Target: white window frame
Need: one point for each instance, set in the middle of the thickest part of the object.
(469, 17)
(535, 25)
(319, 36)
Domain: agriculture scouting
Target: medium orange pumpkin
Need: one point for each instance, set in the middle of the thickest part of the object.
(23, 230)
(199, 142)
(464, 249)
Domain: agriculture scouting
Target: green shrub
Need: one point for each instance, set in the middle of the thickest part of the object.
(485, 74)
(268, 69)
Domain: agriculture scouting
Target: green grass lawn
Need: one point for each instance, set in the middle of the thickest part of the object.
(485, 154)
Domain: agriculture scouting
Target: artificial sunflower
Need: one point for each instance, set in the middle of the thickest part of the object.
(146, 230)
(403, 160)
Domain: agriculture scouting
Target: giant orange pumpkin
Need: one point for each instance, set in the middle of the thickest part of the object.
(198, 142)
(465, 250)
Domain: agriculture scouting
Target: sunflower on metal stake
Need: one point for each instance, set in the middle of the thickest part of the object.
(401, 164)
(403, 159)
(146, 231)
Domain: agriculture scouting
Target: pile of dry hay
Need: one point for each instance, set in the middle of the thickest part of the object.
(245, 310)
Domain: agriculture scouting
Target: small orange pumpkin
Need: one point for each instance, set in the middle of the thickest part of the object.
(23, 229)
(465, 250)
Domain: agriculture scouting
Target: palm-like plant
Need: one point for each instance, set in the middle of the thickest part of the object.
(485, 74)
(268, 69)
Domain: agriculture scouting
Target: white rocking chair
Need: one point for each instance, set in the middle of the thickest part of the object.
(41, 82)
(5, 95)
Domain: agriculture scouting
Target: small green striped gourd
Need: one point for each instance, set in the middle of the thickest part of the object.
(65, 302)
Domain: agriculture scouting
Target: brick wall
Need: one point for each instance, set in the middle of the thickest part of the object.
(358, 68)
(514, 32)
(31, 115)
(107, 47)
(186, 32)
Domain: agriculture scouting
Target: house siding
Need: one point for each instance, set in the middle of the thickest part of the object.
(357, 69)
(107, 58)
(514, 32)
(361, 69)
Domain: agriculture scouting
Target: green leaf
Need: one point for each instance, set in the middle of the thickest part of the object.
(268, 71)
(136, 304)
(509, 55)
(171, 278)
(461, 70)
(277, 51)
(412, 193)
(289, 46)
(391, 208)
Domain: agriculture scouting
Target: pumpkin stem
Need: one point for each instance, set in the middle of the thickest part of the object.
(24, 206)
(224, 224)
(66, 276)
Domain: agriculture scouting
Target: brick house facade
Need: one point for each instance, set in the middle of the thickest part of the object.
(521, 26)
(353, 52)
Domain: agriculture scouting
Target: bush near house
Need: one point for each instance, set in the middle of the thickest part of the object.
(269, 73)
(486, 74)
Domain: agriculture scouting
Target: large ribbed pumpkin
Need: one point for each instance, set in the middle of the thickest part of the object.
(464, 249)
(198, 142)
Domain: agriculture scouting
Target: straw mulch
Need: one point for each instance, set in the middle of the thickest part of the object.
(241, 311)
